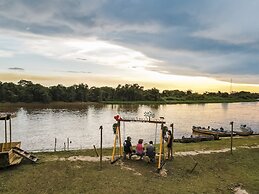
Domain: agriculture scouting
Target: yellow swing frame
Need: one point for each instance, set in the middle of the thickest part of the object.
(117, 137)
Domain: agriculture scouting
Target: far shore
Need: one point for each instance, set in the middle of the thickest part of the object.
(80, 104)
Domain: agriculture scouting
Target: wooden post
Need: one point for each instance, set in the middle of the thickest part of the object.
(101, 148)
(231, 144)
(120, 142)
(172, 125)
(96, 151)
(68, 143)
(114, 145)
(10, 135)
(160, 150)
(55, 145)
(155, 136)
(5, 130)
(64, 146)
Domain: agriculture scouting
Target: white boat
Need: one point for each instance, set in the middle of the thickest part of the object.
(244, 131)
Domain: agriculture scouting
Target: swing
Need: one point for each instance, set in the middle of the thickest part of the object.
(117, 138)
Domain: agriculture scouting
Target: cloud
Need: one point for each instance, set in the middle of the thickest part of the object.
(16, 68)
(200, 38)
(78, 72)
(4, 54)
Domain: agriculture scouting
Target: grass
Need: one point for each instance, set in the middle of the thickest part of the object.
(215, 173)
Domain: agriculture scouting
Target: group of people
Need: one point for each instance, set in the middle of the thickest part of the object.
(150, 149)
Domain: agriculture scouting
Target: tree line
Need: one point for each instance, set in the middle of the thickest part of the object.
(27, 91)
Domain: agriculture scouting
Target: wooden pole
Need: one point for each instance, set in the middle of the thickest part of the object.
(231, 144)
(96, 151)
(155, 137)
(10, 128)
(5, 130)
(160, 150)
(55, 145)
(64, 146)
(101, 148)
(114, 145)
(120, 142)
(68, 143)
(172, 125)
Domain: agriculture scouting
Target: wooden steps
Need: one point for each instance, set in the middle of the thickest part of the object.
(25, 154)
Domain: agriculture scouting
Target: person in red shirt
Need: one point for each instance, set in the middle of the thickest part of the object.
(140, 148)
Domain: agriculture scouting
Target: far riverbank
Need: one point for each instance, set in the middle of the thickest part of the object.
(61, 104)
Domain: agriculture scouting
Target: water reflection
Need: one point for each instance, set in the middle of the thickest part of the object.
(224, 106)
(38, 126)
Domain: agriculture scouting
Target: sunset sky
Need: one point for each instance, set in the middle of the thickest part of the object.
(168, 44)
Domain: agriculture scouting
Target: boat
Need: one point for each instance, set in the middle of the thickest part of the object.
(211, 131)
(194, 139)
(244, 131)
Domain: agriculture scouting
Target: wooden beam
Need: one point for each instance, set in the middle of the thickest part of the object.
(160, 149)
(142, 120)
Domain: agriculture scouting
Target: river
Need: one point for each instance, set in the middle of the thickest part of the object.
(37, 127)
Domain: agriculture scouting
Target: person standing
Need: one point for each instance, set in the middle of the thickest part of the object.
(170, 144)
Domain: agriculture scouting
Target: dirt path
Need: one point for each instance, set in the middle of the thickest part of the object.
(187, 153)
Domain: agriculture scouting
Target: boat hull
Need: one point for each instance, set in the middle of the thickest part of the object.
(210, 132)
(242, 133)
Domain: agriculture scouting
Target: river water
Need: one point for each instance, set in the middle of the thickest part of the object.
(37, 127)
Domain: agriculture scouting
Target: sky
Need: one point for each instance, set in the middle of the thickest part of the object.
(196, 45)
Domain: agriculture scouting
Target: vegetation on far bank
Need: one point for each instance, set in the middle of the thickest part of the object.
(26, 91)
(215, 173)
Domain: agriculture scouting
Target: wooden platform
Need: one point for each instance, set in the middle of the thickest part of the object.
(7, 156)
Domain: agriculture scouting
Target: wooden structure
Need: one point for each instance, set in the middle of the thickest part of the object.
(117, 138)
(10, 152)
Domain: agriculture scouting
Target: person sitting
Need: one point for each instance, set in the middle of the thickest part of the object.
(150, 151)
(140, 148)
(127, 147)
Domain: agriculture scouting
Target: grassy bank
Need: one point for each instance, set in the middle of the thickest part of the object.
(85, 104)
(215, 173)
(182, 101)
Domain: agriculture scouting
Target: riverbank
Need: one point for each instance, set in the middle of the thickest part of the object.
(60, 104)
(215, 173)
(181, 101)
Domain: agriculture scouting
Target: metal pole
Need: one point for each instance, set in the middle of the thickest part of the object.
(101, 147)
(231, 145)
